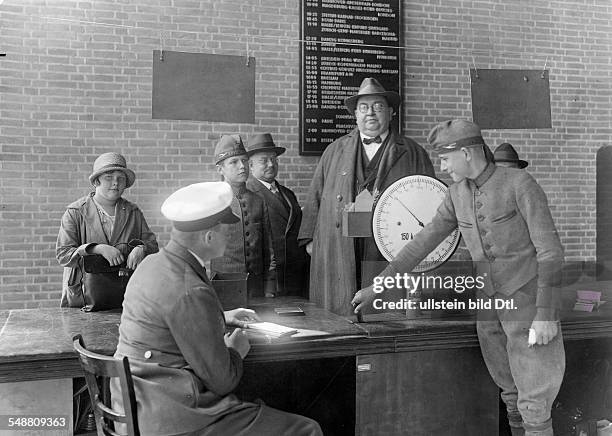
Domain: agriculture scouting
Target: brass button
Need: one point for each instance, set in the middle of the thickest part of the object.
(148, 354)
(339, 197)
(481, 218)
(478, 204)
(483, 232)
(477, 192)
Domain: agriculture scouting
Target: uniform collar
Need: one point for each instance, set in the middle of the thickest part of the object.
(486, 174)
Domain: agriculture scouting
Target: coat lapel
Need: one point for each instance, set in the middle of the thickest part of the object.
(292, 212)
(272, 200)
(391, 155)
(121, 218)
(349, 156)
(95, 232)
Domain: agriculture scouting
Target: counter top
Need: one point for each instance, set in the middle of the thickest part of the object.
(37, 343)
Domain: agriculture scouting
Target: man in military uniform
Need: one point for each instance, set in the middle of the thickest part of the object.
(506, 224)
(249, 246)
(285, 215)
(172, 330)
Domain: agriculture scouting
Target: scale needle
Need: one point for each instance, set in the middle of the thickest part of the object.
(413, 215)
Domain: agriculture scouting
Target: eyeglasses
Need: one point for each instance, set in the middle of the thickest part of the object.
(265, 160)
(364, 108)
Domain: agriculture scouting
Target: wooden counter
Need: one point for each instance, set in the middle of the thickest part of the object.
(405, 372)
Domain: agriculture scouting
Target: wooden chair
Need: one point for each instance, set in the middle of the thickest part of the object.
(97, 365)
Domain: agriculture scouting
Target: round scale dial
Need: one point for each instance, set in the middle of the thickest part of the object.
(402, 211)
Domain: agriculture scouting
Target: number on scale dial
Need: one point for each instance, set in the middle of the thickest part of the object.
(402, 211)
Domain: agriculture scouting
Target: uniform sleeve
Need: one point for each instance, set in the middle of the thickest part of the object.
(533, 205)
(69, 248)
(197, 325)
(424, 242)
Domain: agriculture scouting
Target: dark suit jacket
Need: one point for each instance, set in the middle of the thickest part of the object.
(291, 259)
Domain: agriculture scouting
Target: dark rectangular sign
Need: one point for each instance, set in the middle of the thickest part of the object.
(343, 42)
(203, 87)
(510, 99)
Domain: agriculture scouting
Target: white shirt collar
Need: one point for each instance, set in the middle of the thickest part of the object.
(266, 184)
(373, 147)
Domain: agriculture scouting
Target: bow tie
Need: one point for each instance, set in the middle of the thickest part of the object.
(368, 141)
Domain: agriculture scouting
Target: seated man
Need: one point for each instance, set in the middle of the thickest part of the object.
(172, 329)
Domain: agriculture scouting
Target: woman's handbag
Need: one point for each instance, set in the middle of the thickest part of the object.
(103, 285)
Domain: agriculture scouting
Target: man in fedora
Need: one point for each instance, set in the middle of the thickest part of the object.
(249, 246)
(371, 157)
(504, 219)
(172, 329)
(284, 212)
(506, 156)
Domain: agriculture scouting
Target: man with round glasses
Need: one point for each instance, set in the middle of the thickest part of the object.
(371, 157)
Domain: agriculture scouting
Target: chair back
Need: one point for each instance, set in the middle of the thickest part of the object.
(96, 366)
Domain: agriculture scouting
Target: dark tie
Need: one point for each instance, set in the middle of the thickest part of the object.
(368, 141)
(274, 189)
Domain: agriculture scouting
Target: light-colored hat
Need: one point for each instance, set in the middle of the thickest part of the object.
(229, 146)
(111, 162)
(506, 153)
(200, 206)
(370, 86)
(453, 135)
(263, 142)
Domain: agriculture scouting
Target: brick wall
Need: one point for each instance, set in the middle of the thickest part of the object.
(76, 82)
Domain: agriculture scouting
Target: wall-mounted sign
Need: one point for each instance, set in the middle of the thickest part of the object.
(343, 42)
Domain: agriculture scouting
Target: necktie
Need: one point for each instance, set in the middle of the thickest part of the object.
(274, 189)
(368, 141)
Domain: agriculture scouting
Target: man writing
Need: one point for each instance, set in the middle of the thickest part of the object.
(504, 218)
(371, 157)
(172, 329)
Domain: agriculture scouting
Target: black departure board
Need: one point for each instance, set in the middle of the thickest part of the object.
(343, 42)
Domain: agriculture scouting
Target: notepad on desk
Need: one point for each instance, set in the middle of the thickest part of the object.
(271, 329)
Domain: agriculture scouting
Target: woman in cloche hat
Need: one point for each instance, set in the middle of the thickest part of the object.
(102, 223)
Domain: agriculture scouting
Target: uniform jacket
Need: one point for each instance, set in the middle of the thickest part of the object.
(249, 242)
(291, 259)
(333, 270)
(81, 227)
(172, 329)
(506, 224)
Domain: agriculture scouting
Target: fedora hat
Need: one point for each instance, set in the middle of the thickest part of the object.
(506, 153)
(453, 135)
(263, 142)
(229, 146)
(111, 162)
(189, 213)
(370, 86)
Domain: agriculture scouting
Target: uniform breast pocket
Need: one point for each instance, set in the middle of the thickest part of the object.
(504, 217)
(464, 224)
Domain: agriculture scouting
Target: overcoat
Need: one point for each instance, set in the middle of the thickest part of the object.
(81, 227)
(291, 259)
(333, 265)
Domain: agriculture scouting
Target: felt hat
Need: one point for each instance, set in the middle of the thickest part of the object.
(263, 142)
(453, 135)
(370, 86)
(200, 206)
(229, 146)
(506, 153)
(111, 162)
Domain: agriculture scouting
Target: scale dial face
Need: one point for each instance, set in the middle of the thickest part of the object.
(402, 211)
